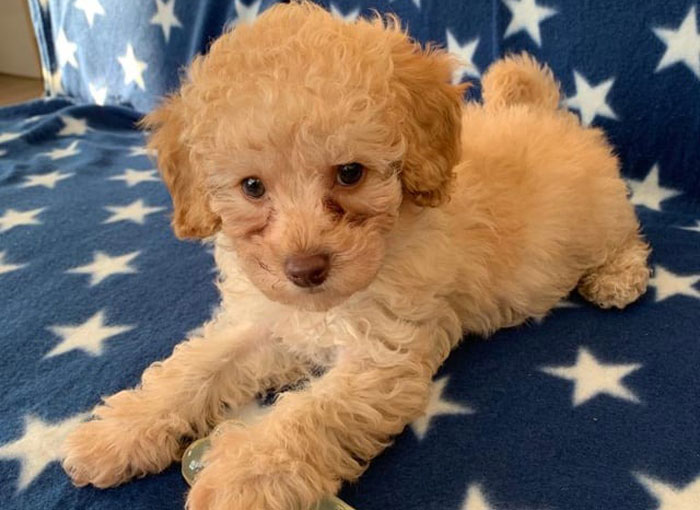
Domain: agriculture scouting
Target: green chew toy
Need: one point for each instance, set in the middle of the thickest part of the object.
(192, 464)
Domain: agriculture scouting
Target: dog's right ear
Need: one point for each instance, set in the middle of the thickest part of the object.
(192, 216)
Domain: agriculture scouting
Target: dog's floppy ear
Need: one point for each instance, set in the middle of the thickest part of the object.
(431, 124)
(192, 217)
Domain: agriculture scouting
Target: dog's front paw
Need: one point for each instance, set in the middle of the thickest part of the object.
(107, 452)
(246, 472)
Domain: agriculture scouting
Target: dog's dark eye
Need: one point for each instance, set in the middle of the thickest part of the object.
(349, 174)
(253, 187)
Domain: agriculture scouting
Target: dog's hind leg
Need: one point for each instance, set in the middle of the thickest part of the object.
(622, 278)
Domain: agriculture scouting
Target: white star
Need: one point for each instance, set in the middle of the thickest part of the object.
(9, 136)
(348, 18)
(2, 152)
(103, 266)
(65, 50)
(165, 17)
(6, 268)
(136, 212)
(592, 378)
(246, 13)
(668, 284)
(87, 336)
(98, 94)
(13, 218)
(527, 15)
(40, 445)
(565, 303)
(73, 126)
(437, 406)
(695, 228)
(475, 499)
(69, 150)
(682, 44)
(133, 177)
(133, 68)
(670, 497)
(139, 151)
(90, 8)
(591, 100)
(465, 54)
(47, 180)
(53, 81)
(648, 192)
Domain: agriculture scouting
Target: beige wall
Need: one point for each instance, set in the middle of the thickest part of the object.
(18, 52)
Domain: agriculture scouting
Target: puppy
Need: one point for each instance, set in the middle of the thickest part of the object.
(364, 218)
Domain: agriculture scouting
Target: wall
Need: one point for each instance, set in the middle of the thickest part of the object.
(18, 51)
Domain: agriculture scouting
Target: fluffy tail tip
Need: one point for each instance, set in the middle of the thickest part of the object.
(520, 79)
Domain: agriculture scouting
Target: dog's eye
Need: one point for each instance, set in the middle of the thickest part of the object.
(349, 174)
(253, 187)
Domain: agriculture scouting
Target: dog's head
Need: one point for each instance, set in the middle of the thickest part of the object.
(299, 137)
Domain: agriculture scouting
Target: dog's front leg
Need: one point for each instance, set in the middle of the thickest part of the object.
(141, 431)
(315, 438)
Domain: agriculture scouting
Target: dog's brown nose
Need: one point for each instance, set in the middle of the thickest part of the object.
(307, 270)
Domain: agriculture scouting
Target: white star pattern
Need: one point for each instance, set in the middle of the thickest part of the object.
(65, 50)
(695, 228)
(591, 101)
(133, 177)
(437, 406)
(565, 303)
(133, 68)
(165, 17)
(668, 284)
(140, 151)
(5, 267)
(9, 136)
(73, 126)
(682, 44)
(648, 192)
(136, 212)
(88, 336)
(246, 13)
(98, 94)
(70, 150)
(103, 266)
(349, 17)
(475, 499)
(670, 497)
(53, 81)
(40, 444)
(13, 218)
(47, 180)
(592, 378)
(90, 8)
(465, 55)
(2, 152)
(527, 15)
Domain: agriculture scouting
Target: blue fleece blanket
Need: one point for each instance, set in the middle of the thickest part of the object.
(587, 410)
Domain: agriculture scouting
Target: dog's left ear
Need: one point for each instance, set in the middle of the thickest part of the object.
(432, 120)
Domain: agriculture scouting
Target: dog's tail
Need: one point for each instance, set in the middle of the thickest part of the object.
(519, 79)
